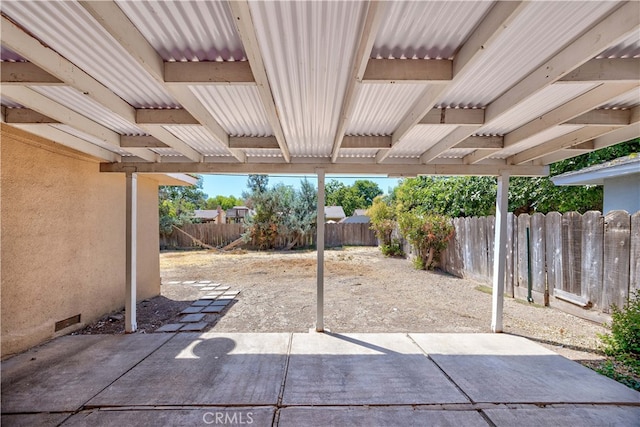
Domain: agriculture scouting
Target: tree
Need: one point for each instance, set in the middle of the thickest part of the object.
(360, 195)
(177, 203)
(225, 202)
(257, 183)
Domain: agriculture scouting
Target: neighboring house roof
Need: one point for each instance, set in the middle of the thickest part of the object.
(356, 219)
(206, 213)
(359, 212)
(332, 212)
(596, 174)
(238, 212)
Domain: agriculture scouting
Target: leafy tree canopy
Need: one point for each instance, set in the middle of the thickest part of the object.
(475, 196)
(176, 204)
(360, 195)
(225, 202)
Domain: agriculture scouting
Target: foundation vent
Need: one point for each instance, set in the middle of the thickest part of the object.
(67, 322)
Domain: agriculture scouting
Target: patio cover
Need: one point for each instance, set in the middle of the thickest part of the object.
(397, 88)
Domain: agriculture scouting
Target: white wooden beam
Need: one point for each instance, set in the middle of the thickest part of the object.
(565, 153)
(379, 142)
(48, 107)
(320, 252)
(459, 135)
(26, 73)
(143, 141)
(118, 25)
(253, 143)
(453, 116)
(26, 116)
(207, 73)
(624, 134)
(616, 27)
(480, 142)
(556, 144)
(568, 111)
(605, 70)
(391, 71)
(601, 117)
(310, 166)
(159, 132)
(246, 30)
(59, 67)
(499, 252)
(68, 140)
(165, 117)
(131, 251)
(574, 108)
(497, 20)
(363, 52)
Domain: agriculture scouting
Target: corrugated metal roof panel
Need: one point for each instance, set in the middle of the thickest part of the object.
(9, 55)
(542, 102)
(420, 139)
(73, 99)
(358, 152)
(237, 108)
(68, 28)
(629, 48)
(187, 30)
(535, 35)
(380, 108)
(263, 153)
(411, 29)
(307, 49)
(166, 152)
(89, 138)
(199, 139)
(536, 139)
(456, 153)
(628, 100)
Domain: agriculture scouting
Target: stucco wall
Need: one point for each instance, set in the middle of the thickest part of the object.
(622, 193)
(63, 239)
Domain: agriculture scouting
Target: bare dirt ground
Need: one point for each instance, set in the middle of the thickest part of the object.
(364, 292)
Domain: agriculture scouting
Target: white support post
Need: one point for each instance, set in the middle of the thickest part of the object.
(320, 248)
(131, 252)
(499, 249)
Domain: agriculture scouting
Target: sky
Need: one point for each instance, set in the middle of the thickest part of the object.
(234, 185)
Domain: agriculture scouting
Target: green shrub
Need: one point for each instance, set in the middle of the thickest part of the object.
(394, 249)
(625, 329)
(428, 234)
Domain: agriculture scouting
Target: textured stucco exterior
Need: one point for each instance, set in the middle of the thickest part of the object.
(63, 239)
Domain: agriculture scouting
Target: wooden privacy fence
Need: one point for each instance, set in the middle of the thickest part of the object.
(220, 235)
(579, 263)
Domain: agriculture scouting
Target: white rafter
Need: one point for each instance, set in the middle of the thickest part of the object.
(244, 24)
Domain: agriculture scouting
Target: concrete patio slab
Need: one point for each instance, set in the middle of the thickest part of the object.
(261, 416)
(65, 373)
(377, 416)
(504, 368)
(569, 416)
(30, 420)
(205, 369)
(359, 369)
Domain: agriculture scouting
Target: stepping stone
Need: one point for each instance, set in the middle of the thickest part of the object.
(222, 302)
(204, 282)
(201, 302)
(230, 294)
(213, 309)
(217, 293)
(222, 288)
(190, 282)
(207, 288)
(192, 318)
(173, 283)
(199, 285)
(210, 297)
(194, 327)
(170, 327)
(191, 310)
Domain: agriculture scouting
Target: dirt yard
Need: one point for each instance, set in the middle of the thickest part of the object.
(364, 292)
